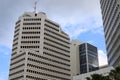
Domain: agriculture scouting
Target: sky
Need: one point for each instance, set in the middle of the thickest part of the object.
(81, 19)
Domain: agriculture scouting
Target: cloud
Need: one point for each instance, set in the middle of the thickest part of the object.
(102, 58)
(1, 78)
(5, 50)
(75, 17)
(88, 25)
(3, 75)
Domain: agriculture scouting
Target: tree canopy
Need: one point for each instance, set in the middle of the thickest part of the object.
(113, 75)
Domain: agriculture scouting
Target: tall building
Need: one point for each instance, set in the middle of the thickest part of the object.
(84, 58)
(74, 57)
(41, 50)
(88, 58)
(111, 22)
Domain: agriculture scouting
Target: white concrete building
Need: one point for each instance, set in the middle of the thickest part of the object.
(41, 50)
(74, 57)
(103, 71)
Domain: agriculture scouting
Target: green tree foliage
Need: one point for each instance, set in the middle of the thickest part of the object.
(88, 78)
(113, 75)
(95, 77)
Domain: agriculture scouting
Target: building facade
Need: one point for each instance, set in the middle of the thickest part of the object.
(104, 71)
(74, 57)
(111, 21)
(41, 50)
(88, 58)
(84, 58)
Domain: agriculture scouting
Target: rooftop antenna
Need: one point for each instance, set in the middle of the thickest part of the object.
(35, 6)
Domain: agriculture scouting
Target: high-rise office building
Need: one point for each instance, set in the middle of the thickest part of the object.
(111, 22)
(41, 50)
(88, 58)
(84, 58)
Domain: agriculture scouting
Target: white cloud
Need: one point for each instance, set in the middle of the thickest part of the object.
(75, 17)
(102, 58)
(74, 30)
(5, 50)
(1, 78)
(3, 75)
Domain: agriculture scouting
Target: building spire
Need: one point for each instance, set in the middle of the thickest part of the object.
(35, 5)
